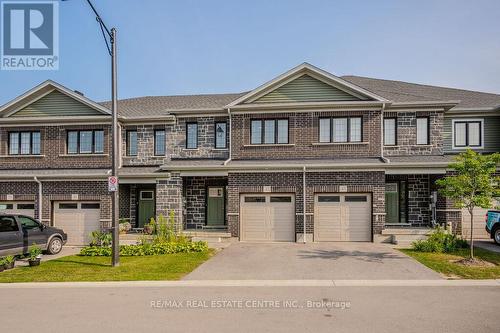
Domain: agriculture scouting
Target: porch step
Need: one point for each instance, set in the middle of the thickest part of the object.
(404, 237)
(208, 236)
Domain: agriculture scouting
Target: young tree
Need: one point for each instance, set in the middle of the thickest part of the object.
(473, 184)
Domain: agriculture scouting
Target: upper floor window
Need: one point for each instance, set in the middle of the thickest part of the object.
(24, 143)
(85, 142)
(269, 131)
(221, 135)
(159, 142)
(192, 135)
(467, 133)
(390, 131)
(131, 143)
(338, 130)
(422, 131)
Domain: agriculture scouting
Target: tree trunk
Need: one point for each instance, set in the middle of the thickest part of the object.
(471, 234)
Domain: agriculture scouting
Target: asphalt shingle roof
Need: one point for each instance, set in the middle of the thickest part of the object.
(399, 91)
(161, 105)
(396, 91)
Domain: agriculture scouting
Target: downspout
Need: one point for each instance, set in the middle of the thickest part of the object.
(39, 198)
(230, 134)
(384, 159)
(304, 202)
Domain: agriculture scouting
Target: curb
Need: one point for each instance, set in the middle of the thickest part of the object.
(257, 283)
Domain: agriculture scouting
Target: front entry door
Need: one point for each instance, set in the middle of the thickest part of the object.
(215, 206)
(146, 207)
(391, 203)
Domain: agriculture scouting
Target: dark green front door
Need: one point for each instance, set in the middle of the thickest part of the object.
(215, 206)
(391, 203)
(146, 207)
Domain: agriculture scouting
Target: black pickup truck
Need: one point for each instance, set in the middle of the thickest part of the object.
(19, 232)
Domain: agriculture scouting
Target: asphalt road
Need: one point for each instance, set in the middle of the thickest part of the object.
(250, 309)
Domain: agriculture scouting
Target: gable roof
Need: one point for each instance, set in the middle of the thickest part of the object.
(405, 92)
(298, 72)
(45, 89)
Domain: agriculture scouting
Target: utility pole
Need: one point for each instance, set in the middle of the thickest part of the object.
(116, 158)
(111, 35)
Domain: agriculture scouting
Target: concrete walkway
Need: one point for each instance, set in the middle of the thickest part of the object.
(66, 251)
(313, 261)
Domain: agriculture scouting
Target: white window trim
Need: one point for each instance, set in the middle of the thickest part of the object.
(453, 121)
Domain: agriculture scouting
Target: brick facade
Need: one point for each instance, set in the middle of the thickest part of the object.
(53, 191)
(304, 137)
(316, 182)
(53, 150)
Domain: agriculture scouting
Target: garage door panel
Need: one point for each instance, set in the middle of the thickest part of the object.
(269, 217)
(342, 217)
(18, 207)
(77, 219)
(479, 224)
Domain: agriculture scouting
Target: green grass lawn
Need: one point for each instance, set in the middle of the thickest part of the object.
(441, 262)
(78, 268)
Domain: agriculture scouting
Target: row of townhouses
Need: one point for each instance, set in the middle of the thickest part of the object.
(341, 158)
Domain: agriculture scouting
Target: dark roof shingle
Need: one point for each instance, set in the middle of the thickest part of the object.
(399, 91)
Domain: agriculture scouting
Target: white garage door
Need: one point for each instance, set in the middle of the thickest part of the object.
(18, 207)
(77, 219)
(342, 217)
(267, 217)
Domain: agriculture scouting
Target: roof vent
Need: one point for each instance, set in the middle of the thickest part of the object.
(79, 93)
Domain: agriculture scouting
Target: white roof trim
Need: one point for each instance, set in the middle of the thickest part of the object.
(317, 73)
(5, 110)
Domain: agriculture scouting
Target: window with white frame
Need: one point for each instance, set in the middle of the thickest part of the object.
(340, 129)
(422, 131)
(390, 131)
(467, 133)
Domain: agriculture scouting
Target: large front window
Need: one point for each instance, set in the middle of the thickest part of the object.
(85, 142)
(467, 133)
(24, 143)
(269, 131)
(341, 129)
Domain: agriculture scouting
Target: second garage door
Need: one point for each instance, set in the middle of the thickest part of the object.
(22, 208)
(267, 217)
(77, 219)
(342, 217)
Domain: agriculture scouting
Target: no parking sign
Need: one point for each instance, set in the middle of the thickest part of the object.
(112, 184)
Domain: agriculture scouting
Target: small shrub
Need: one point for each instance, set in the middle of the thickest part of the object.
(439, 241)
(100, 238)
(35, 252)
(147, 249)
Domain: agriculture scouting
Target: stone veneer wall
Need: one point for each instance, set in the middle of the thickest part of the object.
(407, 134)
(419, 190)
(316, 182)
(169, 197)
(195, 199)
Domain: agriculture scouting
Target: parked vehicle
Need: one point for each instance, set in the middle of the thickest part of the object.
(493, 225)
(19, 232)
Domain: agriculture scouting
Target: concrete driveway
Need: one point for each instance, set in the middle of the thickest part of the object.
(291, 261)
